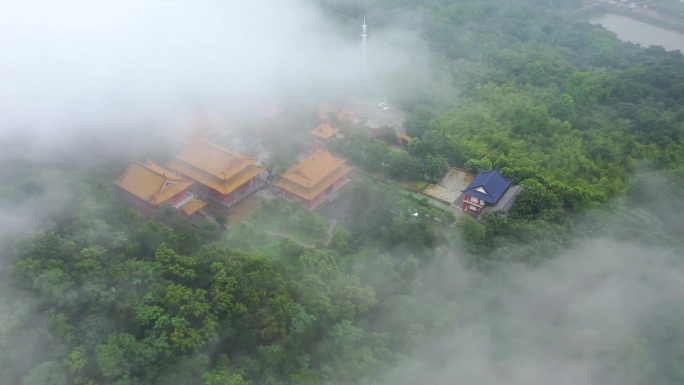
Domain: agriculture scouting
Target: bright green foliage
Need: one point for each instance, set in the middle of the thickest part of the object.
(435, 167)
(46, 373)
(478, 165)
(534, 200)
(381, 216)
(388, 134)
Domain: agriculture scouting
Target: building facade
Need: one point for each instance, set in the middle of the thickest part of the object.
(147, 186)
(314, 180)
(487, 188)
(221, 175)
(322, 135)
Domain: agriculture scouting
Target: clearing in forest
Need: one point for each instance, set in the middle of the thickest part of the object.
(449, 189)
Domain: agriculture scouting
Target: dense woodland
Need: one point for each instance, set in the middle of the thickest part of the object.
(586, 123)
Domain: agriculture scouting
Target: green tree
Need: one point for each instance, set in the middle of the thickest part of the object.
(46, 373)
(531, 121)
(224, 377)
(478, 165)
(405, 166)
(387, 133)
(435, 167)
(535, 200)
(418, 121)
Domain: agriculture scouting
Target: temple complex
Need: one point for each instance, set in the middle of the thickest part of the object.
(221, 175)
(148, 186)
(322, 135)
(314, 180)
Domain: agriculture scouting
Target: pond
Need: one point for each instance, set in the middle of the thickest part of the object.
(639, 32)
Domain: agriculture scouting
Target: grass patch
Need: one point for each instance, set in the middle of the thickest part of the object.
(247, 237)
(411, 185)
(277, 224)
(199, 221)
(414, 186)
(285, 218)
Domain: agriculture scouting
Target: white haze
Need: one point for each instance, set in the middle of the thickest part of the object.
(555, 324)
(84, 80)
(124, 69)
(148, 65)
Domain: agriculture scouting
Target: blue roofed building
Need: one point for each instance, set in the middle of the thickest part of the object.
(489, 190)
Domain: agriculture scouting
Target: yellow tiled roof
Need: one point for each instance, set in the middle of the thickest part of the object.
(313, 175)
(215, 160)
(193, 206)
(224, 186)
(324, 131)
(151, 182)
(310, 193)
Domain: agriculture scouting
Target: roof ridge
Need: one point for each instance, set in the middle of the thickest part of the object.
(303, 174)
(148, 170)
(491, 172)
(311, 178)
(149, 162)
(224, 149)
(309, 159)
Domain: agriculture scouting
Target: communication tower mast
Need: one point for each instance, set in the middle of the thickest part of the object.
(364, 34)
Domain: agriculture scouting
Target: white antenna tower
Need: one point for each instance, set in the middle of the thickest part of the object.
(363, 41)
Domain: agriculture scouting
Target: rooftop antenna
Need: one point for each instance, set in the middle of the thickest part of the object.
(363, 41)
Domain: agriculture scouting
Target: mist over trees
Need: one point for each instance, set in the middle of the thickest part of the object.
(580, 283)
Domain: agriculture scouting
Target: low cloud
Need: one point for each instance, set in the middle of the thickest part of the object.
(580, 319)
(85, 82)
(148, 65)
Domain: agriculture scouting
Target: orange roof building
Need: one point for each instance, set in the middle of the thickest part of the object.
(222, 174)
(149, 186)
(324, 132)
(328, 111)
(403, 139)
(315, 179)
(322, 135)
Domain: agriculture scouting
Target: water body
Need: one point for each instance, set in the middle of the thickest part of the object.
(639, 32)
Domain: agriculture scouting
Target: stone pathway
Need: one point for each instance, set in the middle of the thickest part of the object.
(331, 232)
(282, 235)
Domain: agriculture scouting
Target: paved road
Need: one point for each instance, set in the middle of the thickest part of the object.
(282, 235)
(394, 117)
(337, 209)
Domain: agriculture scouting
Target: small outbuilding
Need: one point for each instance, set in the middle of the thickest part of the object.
(403, 139)
(322, 135)
(489, 189)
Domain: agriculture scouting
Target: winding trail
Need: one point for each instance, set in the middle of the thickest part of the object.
(330, 233)
(282, 235)
(584, 8)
